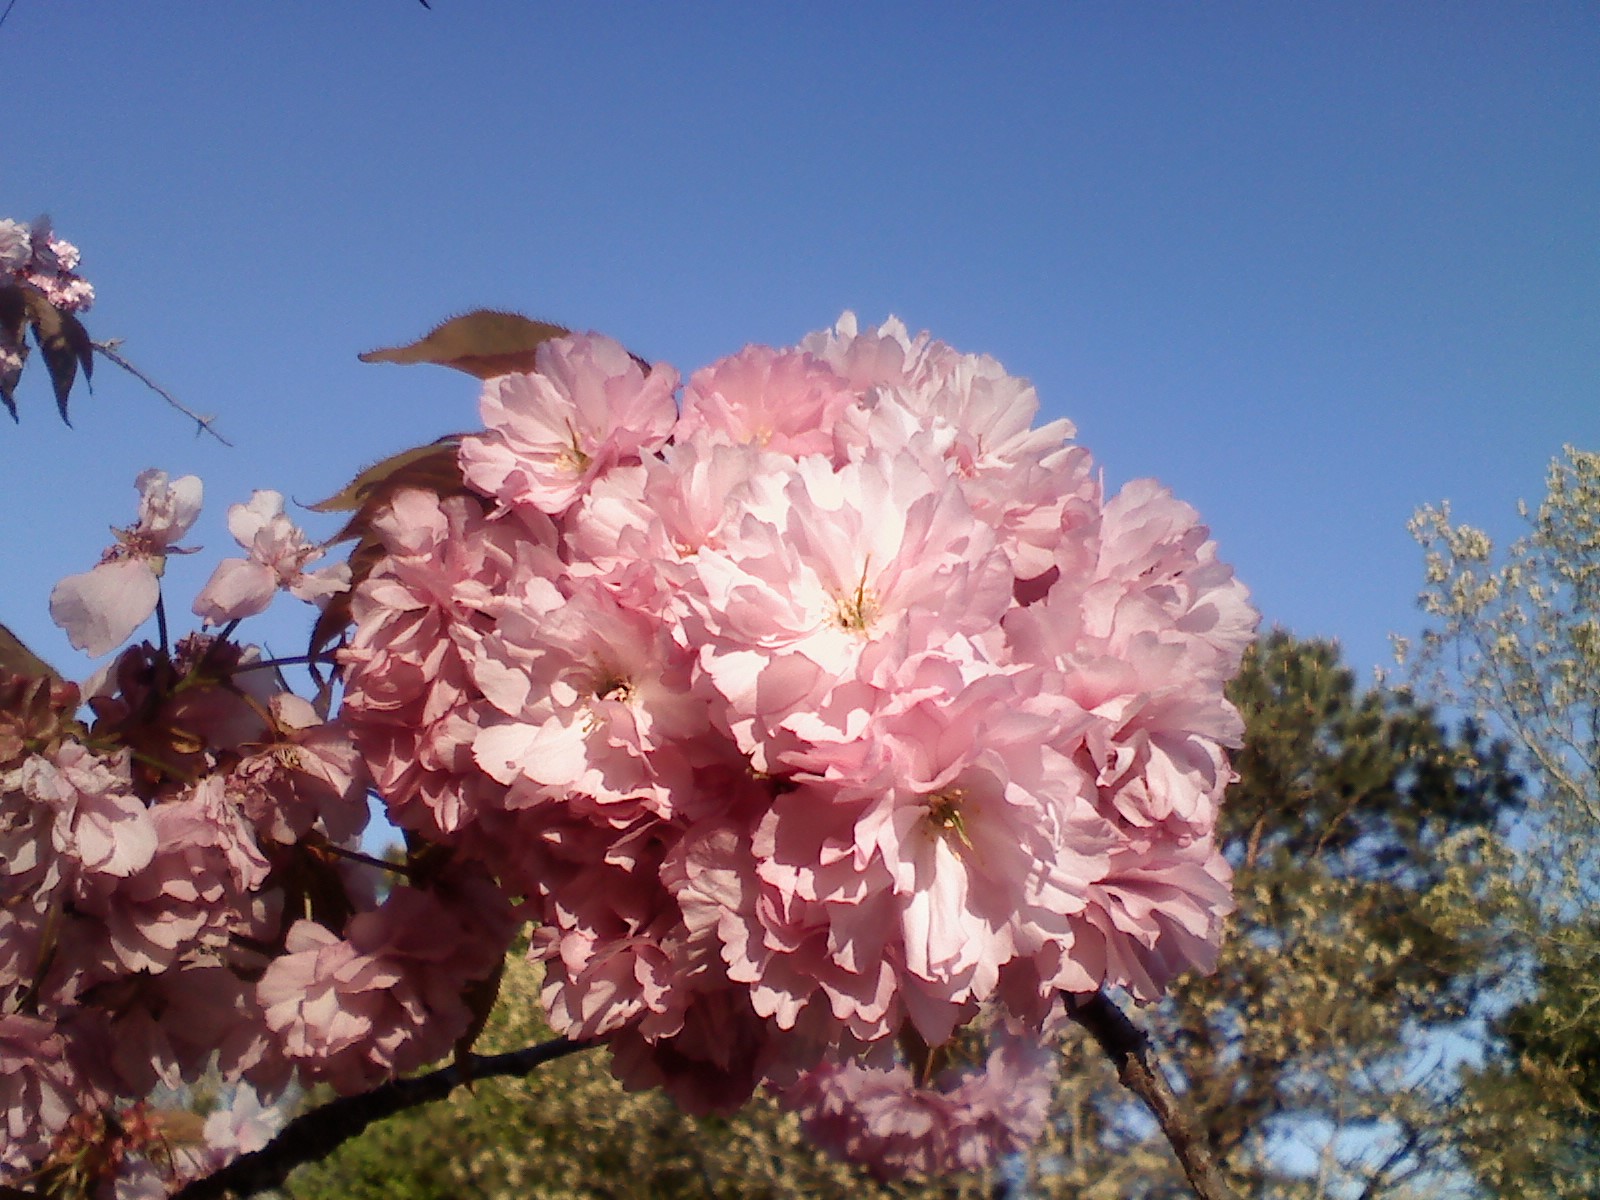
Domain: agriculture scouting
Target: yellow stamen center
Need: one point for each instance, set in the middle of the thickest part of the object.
(859, 609)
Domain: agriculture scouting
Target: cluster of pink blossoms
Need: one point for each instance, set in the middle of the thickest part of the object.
(181, 887)
(822, 714)
(829, 707)
(31, 256)
(35, 256)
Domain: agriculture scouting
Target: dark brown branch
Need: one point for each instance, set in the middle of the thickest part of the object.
(204, 424)
(312, 1136)
(1129, 1049)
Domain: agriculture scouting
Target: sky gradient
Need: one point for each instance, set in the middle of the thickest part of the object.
(1311, 266)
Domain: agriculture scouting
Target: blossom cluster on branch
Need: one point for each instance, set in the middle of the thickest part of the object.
(41, 290)
(834, 706)
(826, 719)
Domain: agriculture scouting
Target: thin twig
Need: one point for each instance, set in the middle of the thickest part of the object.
(1129, 1049)
(368, 860)
(314, 1135)
(203, 424)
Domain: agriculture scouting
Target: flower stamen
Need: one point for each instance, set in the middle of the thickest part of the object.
(944, 814)
(857, 612)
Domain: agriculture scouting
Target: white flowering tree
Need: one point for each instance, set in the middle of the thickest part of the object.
(835, 732)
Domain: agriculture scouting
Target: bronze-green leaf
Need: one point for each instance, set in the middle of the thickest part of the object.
(432, 467)
(17, 659)
(484, 344)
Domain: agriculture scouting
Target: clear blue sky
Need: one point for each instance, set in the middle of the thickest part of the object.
(1311, 265)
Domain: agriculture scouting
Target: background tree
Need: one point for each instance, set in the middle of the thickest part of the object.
(1318, 1048)
(1516, 642)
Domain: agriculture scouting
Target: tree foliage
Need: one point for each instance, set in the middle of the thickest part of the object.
(1516, 643)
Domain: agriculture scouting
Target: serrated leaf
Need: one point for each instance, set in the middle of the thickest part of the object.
(484, 344)
(432, 466)
(65, 344)
(17, 659)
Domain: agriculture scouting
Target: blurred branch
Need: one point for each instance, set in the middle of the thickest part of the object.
(108, 350)
(1129, 1050)
(316, 1134)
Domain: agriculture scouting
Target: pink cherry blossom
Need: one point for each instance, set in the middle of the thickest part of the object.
(279, 552)
(844, 706)
(781, 400)
(837, 711)
(587, 406)
(100, 608)
(35, 256)
(16, 245)
(97, 821)
(310, 776)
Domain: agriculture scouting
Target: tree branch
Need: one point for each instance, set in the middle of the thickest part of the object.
(314, 1135)
(1129, 1049)
(203, 424)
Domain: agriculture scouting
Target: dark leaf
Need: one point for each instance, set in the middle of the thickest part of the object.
(480, 997)
(13, 320)
(65, 344)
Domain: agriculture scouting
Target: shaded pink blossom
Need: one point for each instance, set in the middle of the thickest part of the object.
(194, 890)
(309, 776)
(965, 1121)
(388, 996)
(97, 821)
(39, 1089)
